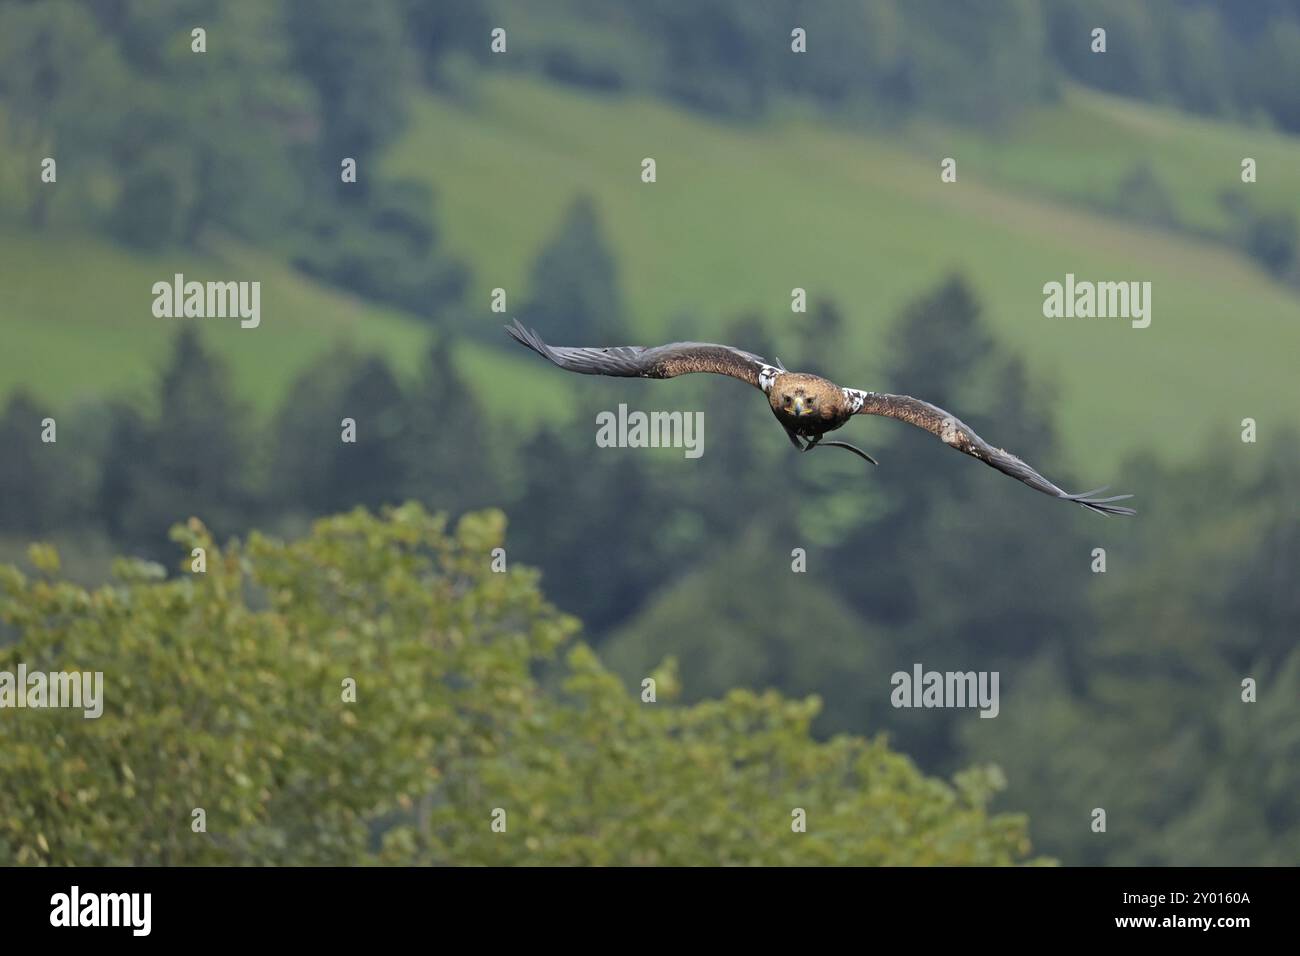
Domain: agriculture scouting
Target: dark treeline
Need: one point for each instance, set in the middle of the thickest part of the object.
(978, 62)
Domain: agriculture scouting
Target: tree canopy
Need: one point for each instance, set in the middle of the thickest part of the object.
(227, 691)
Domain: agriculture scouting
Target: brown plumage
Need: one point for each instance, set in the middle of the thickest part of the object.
(807, 406)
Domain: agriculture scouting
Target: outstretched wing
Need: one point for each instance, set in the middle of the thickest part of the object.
(957, 434)
(662, 361)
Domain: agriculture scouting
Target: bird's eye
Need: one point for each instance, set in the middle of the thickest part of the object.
(787, 399)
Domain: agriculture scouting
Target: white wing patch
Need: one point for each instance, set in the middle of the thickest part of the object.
(855, 399)
(949, 433)
(766, 377)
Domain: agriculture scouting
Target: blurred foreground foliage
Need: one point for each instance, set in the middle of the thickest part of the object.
(223, 690)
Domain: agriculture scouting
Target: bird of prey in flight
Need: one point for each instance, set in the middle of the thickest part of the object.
(807, 406)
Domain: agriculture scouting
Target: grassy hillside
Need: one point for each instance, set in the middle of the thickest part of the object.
(741, 215)
(77, 322)
(1082, 148)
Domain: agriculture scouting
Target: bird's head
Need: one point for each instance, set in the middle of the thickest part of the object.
(797, 402)
(798, 396)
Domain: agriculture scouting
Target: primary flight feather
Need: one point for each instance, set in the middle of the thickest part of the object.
(807, 406)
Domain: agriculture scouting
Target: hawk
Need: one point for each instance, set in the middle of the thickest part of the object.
(807, 406)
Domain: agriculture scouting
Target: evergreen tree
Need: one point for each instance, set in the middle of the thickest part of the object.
(979, 574)
(369, 471)
(594, 522)
(447, 461)
(355, 63)
(30, 478)
(196, 458)
(126, 452)
(307, 430)
(575, 297)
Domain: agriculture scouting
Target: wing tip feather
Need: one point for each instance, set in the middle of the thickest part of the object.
(1103, 506)
(528, 338)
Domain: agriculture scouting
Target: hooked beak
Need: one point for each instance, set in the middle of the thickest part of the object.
(798, 405)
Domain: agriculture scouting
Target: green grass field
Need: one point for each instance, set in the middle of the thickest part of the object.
(739, 216)
(1082, 148)
(77, 320)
